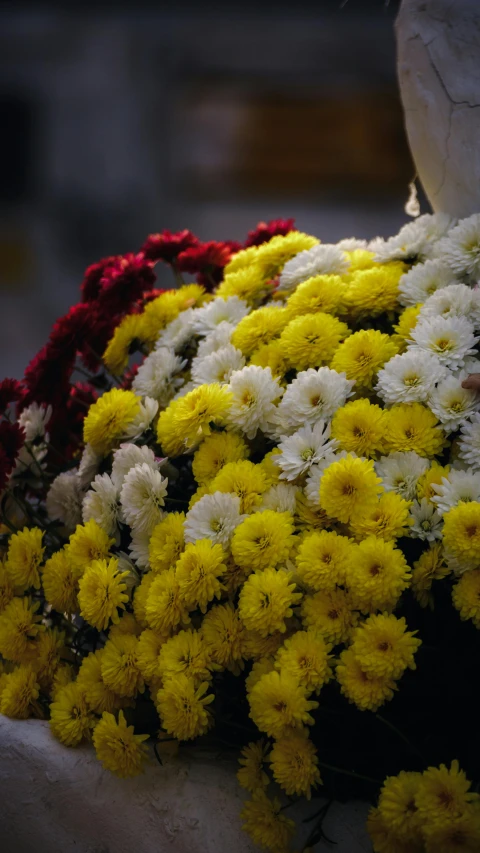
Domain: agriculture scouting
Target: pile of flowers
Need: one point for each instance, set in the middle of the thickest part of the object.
(246, 512)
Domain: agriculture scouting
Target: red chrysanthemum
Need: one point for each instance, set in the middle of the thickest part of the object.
(266, 230)
(207, 256)
(11, 391)
(123, 282)
(90, 287)
(167, 245)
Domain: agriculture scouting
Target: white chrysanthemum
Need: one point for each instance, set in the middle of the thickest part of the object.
(280, 498)
(414, 240)
(184, 390)
(452, 404)
(64, 500)
(470, 365)
(213, 517)
(34, 420)
(350, 244)
(217, 367)
(410, 377)
(469, 442)
(101, 504)
(457, 486)
(255, 393)
(139, 549)
(216, 340)
(423, 280)
(427, 522)
(157, 376)
(142, 497)
(461, 247)
(146, 413)
(129, 455)
(323, 259)
(450, 339)
(313, 395)
(306, 447)
(176, 334)
(400, 472)
(456, 300)
(312, 485)
(458, 566)
(207, 318)
(89, 465)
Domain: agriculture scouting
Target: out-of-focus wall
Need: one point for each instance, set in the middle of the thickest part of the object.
(118, 120)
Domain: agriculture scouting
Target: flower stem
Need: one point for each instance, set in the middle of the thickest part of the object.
(352, 773)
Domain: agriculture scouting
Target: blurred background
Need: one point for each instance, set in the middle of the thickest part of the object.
(124, 118)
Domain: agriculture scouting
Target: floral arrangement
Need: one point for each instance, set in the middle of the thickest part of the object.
(246, 512)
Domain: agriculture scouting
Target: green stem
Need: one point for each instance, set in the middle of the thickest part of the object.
(352, 773)
(402, 736)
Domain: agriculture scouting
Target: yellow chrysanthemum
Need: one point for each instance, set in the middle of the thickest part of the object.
(383, 647)
(6, 588)
(70, 717)
(270, 467)
(365, 691)
(432, 477)
(60, 582)
(263, 540)
(466, 596)
(258, 328)
(359, 427)
(266, 600)
(129, 330)
(234, 577)
(265, 823)
(331, 614)
(294, 761)
(18, 691)
(360, 259)
(216, 451)
(312, 339)
(165, 607)
(308, 516)
(321, 293)
(167, 542)
(249, 283)
(108, 418)
(161, 311)
(274, 254)
(19, 626)
(305, 656)
(198, 571)
(44, 656)
(190, 418)
(429, 567)
(412, 426)
(323, 558)
(241, 260)
(251, 775)
(244, 479)
(148, 649)
(396, 805)
(64, 674)
(185, 654)
(377, 575)
(118, 666)
(140, 597)
(362, 355)
(100, 698)
(127, 624)
(117, 747)
(461, 532)
(271, 355)
(182, 707)
(102, 590)
(388, 520)
(260, 667)
(255, 646)
(278, 703)
(384, 839)
(24, 556)
(460, 836)
(374, 291)
(88, 543)
(348, 486)
(406, 323)
(223, 634)
(443, 795)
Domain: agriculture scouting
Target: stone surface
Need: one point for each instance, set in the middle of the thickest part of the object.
(58, 799)
(438, 45)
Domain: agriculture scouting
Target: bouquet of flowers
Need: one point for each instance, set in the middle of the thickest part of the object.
(246, 512)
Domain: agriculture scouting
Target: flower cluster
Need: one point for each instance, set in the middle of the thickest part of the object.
(271, 486)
